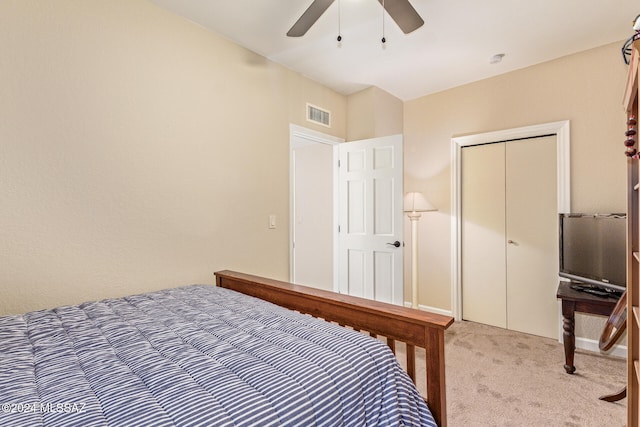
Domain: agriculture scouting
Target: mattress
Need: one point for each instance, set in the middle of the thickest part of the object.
(197, 355)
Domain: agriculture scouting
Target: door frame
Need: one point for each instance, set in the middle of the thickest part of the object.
(300, 136)
(562, 131)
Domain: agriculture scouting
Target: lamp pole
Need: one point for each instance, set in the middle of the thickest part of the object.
(414, 204)
(414, 217)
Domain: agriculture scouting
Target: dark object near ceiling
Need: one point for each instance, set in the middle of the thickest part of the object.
(400, 10)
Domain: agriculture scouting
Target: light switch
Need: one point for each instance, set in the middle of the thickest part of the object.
(272, 221)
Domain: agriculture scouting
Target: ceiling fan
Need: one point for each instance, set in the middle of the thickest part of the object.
(400, 10)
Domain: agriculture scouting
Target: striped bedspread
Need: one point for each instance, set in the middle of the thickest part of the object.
(196, 355)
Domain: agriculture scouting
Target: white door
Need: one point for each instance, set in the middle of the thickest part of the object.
(510, 235)
(370, 219)
(532, 236)
(484, 278)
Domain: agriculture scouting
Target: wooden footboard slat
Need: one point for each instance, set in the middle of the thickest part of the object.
(411, 361)
(392, 344)
(413, 327)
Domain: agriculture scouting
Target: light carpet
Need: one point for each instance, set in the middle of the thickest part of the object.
(497, 377)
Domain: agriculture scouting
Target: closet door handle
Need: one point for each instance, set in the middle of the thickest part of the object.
(511, 242)
(396, 244)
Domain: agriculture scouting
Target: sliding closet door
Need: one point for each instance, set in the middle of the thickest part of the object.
(483, 243)
(532, 236)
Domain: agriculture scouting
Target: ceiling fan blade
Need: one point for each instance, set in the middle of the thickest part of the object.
(404, 14)
(309, 17)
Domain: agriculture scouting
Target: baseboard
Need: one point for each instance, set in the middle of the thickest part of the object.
(431, 309)
(592, 345)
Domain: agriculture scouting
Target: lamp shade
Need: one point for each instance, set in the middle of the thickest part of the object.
(416, 202)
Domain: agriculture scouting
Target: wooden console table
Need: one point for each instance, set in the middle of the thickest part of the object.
(575, 301)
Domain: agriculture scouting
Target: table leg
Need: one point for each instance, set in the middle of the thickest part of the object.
(569, 338)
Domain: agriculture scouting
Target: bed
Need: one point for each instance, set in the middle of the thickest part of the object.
(244, 352)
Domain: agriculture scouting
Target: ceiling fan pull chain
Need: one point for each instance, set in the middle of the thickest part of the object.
(339, 29)
(384, 39)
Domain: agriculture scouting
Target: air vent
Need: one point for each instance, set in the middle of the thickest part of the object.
(318, 115)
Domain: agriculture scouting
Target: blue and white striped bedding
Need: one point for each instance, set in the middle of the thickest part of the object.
(196, 355)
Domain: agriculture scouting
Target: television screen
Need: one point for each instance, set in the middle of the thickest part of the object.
(593, 249)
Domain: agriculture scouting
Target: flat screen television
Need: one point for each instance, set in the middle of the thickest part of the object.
(593, 250)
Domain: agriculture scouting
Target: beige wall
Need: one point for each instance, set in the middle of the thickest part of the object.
(138, 151)
(373, 113)
(585, 88)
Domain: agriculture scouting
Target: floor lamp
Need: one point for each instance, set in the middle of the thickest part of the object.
(414, 204)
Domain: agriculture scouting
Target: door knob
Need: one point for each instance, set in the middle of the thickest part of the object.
(396, 244)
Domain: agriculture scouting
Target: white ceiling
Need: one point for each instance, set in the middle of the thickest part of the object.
(452, 48)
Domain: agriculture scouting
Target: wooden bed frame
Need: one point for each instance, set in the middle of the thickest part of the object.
(413, 327)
